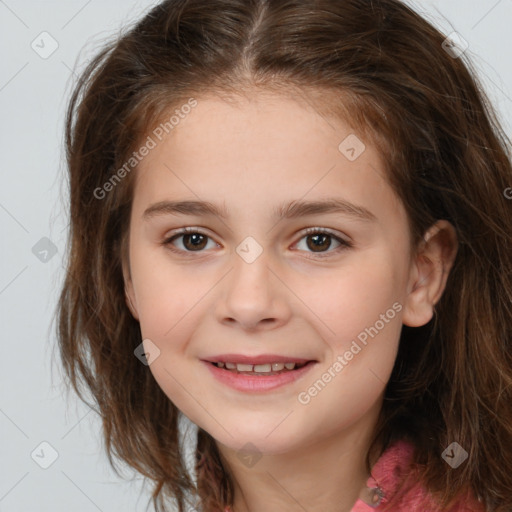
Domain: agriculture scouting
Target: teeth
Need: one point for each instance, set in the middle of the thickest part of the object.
(262, 368)
(259, 368)
(244, 367)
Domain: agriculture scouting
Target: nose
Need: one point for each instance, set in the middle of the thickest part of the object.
(253, 296)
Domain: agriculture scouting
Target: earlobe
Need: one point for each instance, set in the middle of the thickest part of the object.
(429, 273)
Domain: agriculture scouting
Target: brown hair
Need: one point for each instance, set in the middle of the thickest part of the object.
(384, 69)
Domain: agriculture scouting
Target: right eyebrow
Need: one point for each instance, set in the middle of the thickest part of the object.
(184, 208)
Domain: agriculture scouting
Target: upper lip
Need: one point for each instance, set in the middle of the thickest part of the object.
(260, 359)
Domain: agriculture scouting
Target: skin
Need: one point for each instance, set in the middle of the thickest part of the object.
(252, 156)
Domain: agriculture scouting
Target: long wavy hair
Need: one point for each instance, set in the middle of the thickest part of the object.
(386, 69)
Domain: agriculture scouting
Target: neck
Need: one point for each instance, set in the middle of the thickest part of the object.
(327, 474)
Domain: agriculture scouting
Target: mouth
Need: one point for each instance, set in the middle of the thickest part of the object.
(265, 370)
(259, 374)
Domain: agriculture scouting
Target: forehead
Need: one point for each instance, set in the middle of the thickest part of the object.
(260, 148)
(264, 126)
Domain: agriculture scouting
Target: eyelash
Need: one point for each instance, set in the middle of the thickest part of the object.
(344, 244)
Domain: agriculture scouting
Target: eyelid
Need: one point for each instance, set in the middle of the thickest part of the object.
(188, 230)
(328, 231)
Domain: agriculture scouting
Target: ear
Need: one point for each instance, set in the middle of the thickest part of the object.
(429, 272)
(128, 289)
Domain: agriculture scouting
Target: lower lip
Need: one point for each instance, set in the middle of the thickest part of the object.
(245, 382)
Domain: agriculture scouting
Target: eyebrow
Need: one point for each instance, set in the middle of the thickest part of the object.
(291, 210)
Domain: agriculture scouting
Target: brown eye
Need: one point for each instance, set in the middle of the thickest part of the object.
(192, 240)
(319, 241)
(195, 241)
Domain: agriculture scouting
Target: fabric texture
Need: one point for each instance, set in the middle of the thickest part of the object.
(387, 473)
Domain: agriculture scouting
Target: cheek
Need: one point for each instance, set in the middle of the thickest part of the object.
(168, 302)
(353, 297)
(165, 293)
(360, 312)
(353, 378)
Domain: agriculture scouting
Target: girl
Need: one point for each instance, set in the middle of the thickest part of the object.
(291, 231)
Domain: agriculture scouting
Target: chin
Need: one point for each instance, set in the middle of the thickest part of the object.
(264, 441)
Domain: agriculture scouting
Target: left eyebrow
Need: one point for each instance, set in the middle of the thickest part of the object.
(296, 209)
(291, 210)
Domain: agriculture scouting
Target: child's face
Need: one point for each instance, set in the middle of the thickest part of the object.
(302, 297)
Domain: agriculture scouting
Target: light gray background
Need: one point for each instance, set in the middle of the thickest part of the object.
(33, 95)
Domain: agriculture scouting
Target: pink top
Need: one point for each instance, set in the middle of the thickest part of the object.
(387, 473)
